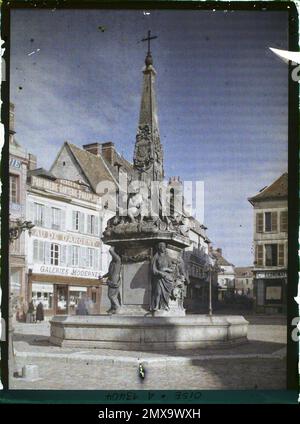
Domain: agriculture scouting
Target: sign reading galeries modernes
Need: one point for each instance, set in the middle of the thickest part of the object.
(65, 271)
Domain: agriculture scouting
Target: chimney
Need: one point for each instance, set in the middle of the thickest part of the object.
(32, 161)
(94, 148)
(108, 152)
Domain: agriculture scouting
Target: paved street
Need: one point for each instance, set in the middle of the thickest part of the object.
(259, 364)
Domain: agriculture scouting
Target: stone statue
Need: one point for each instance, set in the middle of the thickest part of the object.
(137, 206)
(114, 282)
(162, 279)
(182, 279)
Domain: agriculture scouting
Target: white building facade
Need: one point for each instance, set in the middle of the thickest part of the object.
(65, 255)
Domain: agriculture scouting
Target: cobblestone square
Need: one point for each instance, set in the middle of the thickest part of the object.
(258, 364)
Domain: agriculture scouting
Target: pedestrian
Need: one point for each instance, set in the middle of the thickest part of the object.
(40, 312)
(30, 313)
(82, 307)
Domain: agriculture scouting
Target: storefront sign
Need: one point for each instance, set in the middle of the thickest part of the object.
(70, 272)
(270, 275)
(68, 238)
(73, 192)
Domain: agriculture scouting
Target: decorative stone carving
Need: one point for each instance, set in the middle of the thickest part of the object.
(137, 258)
(148, 151)
(143, 152)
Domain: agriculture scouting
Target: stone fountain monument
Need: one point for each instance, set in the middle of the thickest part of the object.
(147, 276)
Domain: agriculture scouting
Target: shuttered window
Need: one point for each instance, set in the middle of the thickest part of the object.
(75, 255)
(39, 214)
(259, 255)
(274, 222)
(78, 221)
(38, 251)
(92, 225)
(91, 258)
(271, 222)
(259, 222)
(56, 218)
(281, 254)
(284, 221)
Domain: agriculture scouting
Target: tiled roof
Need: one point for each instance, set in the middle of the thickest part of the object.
(277, 190)
(96, 168)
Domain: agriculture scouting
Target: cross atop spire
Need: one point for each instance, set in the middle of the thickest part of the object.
(149, 38)
(148, 60)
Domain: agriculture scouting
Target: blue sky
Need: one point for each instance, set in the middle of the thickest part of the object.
(222, 97)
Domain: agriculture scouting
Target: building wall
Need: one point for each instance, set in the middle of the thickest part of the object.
(66, 167)
(270, 264)
(244, 285)
(65, 249)
(18, 161)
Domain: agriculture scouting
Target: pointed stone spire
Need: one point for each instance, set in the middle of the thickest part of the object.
(148, 154)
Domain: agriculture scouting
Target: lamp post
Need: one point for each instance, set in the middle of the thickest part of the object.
(210, 267)
(15, 230)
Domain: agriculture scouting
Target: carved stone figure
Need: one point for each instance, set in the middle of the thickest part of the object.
(181, 280)
(162, 279)
(137, 207)
(114, 282)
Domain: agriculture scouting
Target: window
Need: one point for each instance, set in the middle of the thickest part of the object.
(78, 221)
(14, 188)
(268, 221)
(271, 222)
(271, 252)
(91, 224)
(54, 254)
(56, 218)
(39, 214)
(75, 255)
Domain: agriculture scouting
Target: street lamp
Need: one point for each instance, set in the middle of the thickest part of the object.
(15, 231)
(210, 266)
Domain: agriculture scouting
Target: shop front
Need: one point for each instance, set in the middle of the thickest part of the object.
(61, 295)
(270, 291)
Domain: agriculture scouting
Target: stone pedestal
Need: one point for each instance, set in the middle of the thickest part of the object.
(137, 252)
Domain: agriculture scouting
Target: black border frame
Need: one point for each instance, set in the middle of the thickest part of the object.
(211, 396)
